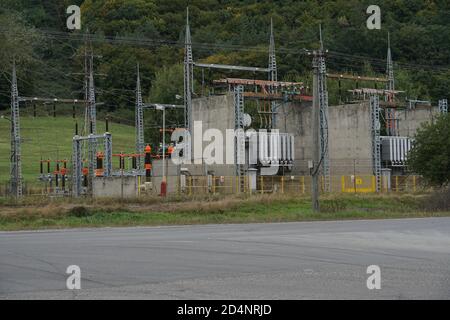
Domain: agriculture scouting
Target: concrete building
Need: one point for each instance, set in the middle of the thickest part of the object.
(350, 137)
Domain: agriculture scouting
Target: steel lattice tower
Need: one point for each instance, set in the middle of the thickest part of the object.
(139, 118)
(376, 140)
(92, 118)
(91, 98)
(273, 76)
(239, 146)
(16, 163)
(390, 114)
(188, 76)
(390, 67)
(323, 101)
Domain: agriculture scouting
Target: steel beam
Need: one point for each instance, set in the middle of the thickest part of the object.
(231, 67)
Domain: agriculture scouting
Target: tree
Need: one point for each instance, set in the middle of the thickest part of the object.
(430, 156)
(17, 43)
(167, 86)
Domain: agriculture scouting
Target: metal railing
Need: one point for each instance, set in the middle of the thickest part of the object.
(195, 185)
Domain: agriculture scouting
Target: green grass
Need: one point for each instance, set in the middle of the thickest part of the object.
(49, 137)
(204, 211)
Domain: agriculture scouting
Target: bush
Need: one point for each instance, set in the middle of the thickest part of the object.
(430, 156)
(80, 212)
(438, 201)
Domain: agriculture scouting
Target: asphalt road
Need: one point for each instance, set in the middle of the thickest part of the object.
(309, 260)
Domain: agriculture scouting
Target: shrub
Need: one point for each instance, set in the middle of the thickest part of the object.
(438, 201)
(80, 212)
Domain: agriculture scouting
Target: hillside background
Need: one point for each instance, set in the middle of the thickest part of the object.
(124, 32)
(224, 31)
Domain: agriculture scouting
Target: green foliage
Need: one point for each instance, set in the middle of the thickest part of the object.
(430, 156)
(231, 32)
(19, 48)
(167, 87)
(168, 84)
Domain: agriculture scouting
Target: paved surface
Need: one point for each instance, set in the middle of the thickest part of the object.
(307, 260)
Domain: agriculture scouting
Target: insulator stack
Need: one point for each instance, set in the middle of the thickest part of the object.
(63, 174)
(57, 175)
(85, 177)
(100, 160)
(148, 163)
(121, 161)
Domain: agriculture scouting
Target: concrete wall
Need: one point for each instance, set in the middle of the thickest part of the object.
(411, 120)
(111, 187)
(215, 112)
(350, 139)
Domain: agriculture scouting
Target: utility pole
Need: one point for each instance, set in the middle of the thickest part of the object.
(164, 146)
(316, 131)
(323, 102)
(16, 163)
(188, 76)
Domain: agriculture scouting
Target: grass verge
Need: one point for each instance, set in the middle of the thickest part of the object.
(45, 214)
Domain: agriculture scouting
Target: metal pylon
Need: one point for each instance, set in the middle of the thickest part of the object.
(139, 123)
(376, 140)
(239, 146)
(16, 163)
(91, 98)
(273, 74)
(390, 67)
(92, 143)
(323, 101)
(390, 113)
(188, 76)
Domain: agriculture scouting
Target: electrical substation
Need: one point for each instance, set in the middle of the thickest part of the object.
(361, 144)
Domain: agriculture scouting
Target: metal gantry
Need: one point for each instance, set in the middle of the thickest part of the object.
(273, 73)
(443, 106)
(230, 67)
(323, 101)
(376, 139)
(77, 161)
(139, 119)
(16, 179)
